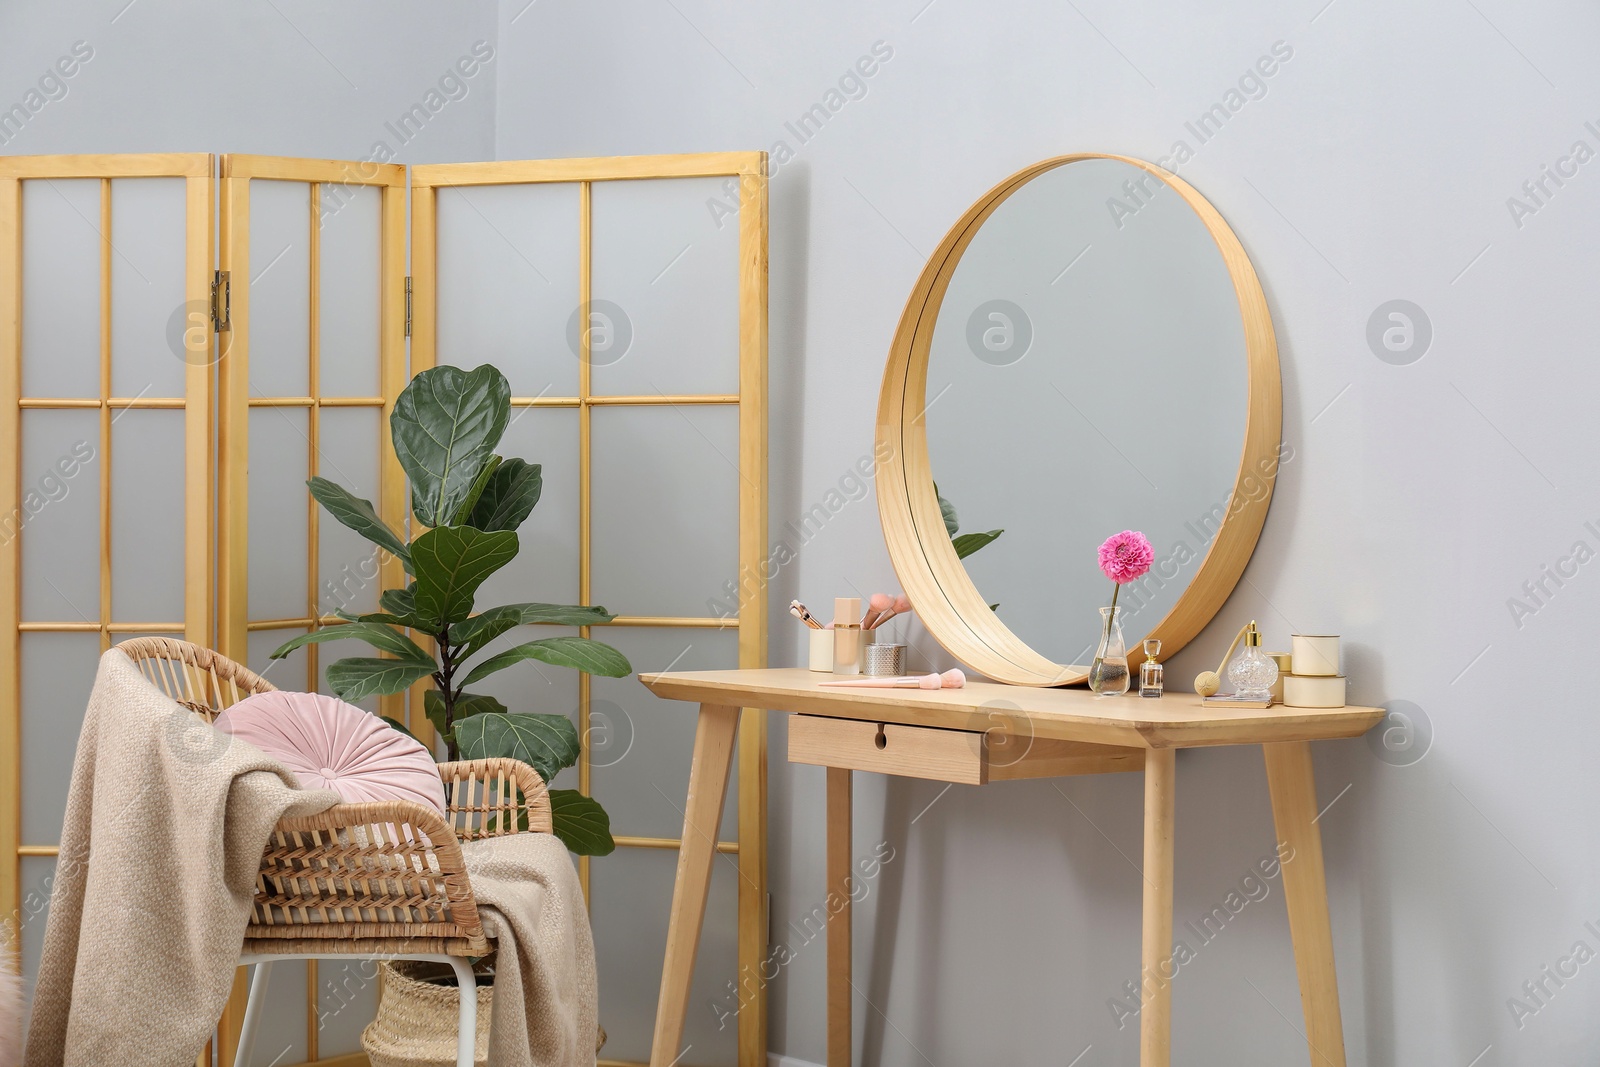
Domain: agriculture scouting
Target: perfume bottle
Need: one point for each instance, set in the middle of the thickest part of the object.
(1151, 673)
(1252, 672)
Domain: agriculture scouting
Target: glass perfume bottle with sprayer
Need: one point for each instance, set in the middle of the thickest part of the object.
(1252, 672)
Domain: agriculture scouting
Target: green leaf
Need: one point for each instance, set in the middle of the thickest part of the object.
(581, 823)
(445, 427)
(468, 704)
(579, 653)
(452, 561)
(484, 627)
(374, 616)
(509, 497)
(433, 708)
(381, 637)
(969, 543)
(947, 511)
(476, 491)
(354, 679)
(398, 725)
(547, 743)
(402, 603)
(360, 516)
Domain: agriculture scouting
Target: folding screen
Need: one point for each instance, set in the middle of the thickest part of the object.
(625, 300)
(105, 367)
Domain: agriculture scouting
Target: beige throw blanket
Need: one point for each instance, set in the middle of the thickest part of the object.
(546, 998)
(166, 822)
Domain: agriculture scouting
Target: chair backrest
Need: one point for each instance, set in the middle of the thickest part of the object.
(202, 680)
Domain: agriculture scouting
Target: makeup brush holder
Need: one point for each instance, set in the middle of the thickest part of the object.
(884, 661)
(821, 650)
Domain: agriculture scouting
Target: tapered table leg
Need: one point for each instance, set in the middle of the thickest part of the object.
(1155, 1014)
(1305, 889)
(708, 785)
(840, 1024)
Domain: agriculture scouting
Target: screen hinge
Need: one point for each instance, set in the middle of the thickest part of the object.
(221, 295)
(408, 307)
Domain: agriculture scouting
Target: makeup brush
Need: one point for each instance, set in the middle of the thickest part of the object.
(950, 679)
(798, 610)
(876, 606)
(900, 606)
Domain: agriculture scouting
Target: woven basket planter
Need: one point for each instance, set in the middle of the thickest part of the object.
(416, 1021)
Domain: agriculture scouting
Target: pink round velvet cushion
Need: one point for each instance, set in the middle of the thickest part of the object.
(328, 744)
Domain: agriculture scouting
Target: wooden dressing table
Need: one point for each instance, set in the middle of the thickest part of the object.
(988, 732)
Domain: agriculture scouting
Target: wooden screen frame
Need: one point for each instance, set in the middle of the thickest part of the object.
(196, 403)
(750, 169)
(233, 439)
(924, 558)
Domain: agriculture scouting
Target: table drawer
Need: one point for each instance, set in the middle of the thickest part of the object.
(888, 748)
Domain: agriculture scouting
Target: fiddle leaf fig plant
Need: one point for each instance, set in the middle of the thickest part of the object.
(470, 501)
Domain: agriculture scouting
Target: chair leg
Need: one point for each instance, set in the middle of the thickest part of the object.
(252, 1014)
(467, 1032)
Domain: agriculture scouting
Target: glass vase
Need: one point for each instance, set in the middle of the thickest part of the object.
(1108, 675)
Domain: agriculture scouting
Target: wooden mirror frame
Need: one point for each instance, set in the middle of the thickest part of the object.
(922, 553)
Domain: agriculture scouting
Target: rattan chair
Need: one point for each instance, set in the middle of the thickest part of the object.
(373, 880)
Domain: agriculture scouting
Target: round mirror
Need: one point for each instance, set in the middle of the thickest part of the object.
(1088, 351)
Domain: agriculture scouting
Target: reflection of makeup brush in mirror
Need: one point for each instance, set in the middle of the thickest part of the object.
(798, 610)
(901, 606)
(950, 679)
(876, 606)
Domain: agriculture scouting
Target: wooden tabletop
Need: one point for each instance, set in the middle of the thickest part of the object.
(1177, 720)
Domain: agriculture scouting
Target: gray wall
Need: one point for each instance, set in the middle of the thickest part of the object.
(282, 77)
(1375, 167)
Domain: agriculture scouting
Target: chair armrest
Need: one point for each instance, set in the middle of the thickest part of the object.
(375, 862)
(494, 797)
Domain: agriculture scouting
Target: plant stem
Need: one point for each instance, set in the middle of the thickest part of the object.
(445, 681)
(1111, 617)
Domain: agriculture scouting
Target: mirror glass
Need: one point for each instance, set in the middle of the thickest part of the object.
(1087, 374)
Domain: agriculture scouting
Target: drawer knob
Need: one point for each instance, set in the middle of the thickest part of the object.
(881, 740)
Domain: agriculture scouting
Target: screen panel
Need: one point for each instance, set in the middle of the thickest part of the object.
(677, 466)
(630, 902)
(55, 690)
(147, 550)
(99, 257)
(61, 248)
(60, 502)
(639, 752)
(147, 288)
(312, 364)
(665, 317)
(666, 448)
(508, 283)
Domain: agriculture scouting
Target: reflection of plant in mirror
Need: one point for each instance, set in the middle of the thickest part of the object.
(966, 544)
(445, 427)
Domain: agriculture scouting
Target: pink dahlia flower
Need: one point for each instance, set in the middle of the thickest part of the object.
(1126, 556)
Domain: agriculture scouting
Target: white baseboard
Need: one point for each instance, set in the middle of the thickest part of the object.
(775, 1060)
